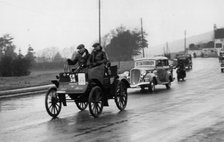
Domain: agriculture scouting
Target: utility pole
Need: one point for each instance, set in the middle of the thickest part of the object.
(167, 48)
(185, 48)
(99, 22)
(143, 52)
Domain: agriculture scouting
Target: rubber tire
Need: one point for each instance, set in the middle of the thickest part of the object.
(121, 96)
(96, 106)
(52, 104)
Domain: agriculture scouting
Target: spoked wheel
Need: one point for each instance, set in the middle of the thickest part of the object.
(96, 101)
(121, 96)
(81, 105)
(152, 87)
(52, 103)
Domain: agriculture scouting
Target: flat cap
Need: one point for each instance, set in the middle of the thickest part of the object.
(80, 46)
(96, 44)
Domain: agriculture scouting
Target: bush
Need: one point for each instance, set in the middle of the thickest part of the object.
(18, 66)
(21, 67)
(6, 66)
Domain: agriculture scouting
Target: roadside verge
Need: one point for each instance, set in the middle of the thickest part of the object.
(24, 91)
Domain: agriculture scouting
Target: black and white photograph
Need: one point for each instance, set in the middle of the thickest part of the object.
(111, 71)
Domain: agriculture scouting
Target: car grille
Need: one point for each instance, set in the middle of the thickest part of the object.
(135, 76)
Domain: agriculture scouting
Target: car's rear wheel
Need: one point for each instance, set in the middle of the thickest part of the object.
(52, 103)
(96, 101)
(121, 95)
(81, 105)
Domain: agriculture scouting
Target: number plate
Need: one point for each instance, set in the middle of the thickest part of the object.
(81, 79)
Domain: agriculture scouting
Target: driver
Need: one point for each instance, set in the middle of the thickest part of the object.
(81, 57)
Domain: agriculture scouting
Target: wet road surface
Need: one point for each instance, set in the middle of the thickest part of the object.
(192, 110)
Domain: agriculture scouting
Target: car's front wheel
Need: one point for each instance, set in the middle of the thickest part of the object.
(52, 103)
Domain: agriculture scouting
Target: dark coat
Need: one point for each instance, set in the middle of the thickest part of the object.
(97, 58)
(81, 59)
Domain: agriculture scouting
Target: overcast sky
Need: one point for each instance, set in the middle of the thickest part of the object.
(66, 23)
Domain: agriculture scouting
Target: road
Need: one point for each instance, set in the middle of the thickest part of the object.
(192, 110)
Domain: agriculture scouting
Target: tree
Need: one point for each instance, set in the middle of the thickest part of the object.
(21, 66)
(6, 66)
(192, 46)
(7, 56)
(6, 45)
(58, 58)
(125, 44)
(30, 56)
(210, 44)
(12, 64)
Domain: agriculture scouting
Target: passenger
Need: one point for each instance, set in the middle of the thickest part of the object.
(81, 57)
(98, 56)
(98, 66)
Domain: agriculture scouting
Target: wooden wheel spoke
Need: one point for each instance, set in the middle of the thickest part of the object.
(99, 107)
(50, 106)
(56, 108)
(95, 109)
(52, 110)
(57, 105)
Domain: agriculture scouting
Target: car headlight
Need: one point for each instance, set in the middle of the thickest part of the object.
(143, 72)
(126, 73)
(154, 71)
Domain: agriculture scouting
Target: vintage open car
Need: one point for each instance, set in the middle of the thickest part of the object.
(149, 72)
(186, 59)
(90, 87)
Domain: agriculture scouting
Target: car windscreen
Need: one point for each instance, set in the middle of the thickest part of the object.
(145, 63)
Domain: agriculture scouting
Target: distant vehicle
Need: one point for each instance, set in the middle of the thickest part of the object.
(221, 60)
(92, 88)
(149, 72)
(221, 55)
(181, 73)
(222, 64)
(186, 59)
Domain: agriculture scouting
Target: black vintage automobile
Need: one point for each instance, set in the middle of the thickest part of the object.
(92, 87)
(186, 59)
